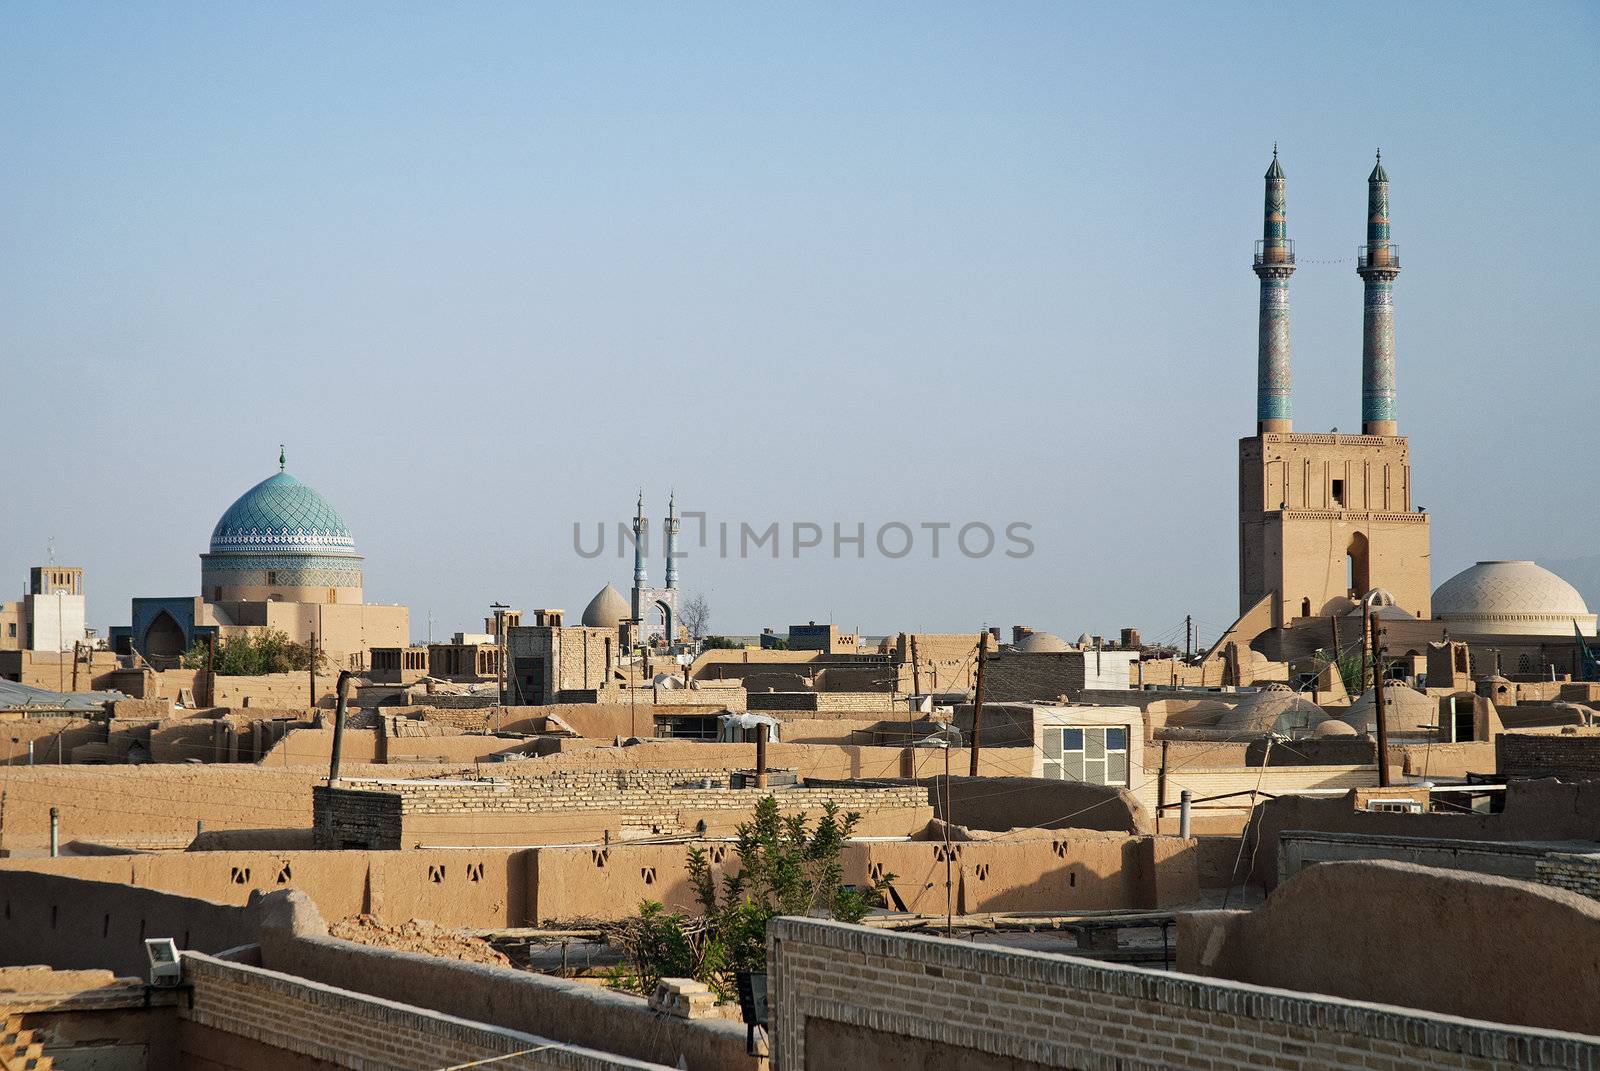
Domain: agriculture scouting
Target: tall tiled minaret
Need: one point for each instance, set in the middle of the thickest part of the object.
(1378, 264)
(671, 526)
(1274, 263)
(641, 536)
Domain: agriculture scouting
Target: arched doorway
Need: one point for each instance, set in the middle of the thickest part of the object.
(163, 641)
(1357, 572)
(664, 619)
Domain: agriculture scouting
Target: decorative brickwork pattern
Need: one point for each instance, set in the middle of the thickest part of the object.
(1064, 1012)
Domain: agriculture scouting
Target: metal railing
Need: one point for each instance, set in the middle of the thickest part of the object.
(1386, 255)
(1278, 251)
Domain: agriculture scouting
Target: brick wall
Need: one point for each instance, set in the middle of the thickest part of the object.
(385, 815)
(1564, 870)
(1569, 757)
(976, 1005)
(354, 1030)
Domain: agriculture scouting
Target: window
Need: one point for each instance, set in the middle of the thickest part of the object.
(11, 628)
(1338, 492)
(1096, 755)
(272, 576)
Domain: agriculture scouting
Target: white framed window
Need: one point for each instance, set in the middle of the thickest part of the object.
(1096, 754)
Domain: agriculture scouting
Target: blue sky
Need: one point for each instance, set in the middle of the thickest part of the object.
(486, 269)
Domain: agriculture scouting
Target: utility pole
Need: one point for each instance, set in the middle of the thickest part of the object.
(1188, 636)
(1366, 639)
(761, 755)
(313, 670)
(916, 668)
(75, 645)
(977, 705)
(211, 669)
(1377, 697)
(948, 886)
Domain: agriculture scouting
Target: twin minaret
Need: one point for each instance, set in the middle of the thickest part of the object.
(1378, 264)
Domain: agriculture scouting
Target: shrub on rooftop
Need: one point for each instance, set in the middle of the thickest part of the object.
(785, 868)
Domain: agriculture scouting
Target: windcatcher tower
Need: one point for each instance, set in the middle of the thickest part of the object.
(1326, 517)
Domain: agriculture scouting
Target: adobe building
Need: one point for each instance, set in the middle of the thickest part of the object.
(50, 615)
(281, 558)
(1328, 517)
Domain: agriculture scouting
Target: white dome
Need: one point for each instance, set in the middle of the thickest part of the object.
(1042, 643)
(1511, 598)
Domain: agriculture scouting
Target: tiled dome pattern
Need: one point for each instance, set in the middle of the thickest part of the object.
(281, 514)
(1507, 588)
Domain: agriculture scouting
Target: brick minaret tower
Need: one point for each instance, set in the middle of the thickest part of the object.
(1378, 265)
(1274, 263)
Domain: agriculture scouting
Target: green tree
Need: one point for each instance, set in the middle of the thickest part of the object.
(785, 868)
(254, 654)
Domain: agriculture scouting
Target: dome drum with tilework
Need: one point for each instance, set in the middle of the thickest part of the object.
(281, 541)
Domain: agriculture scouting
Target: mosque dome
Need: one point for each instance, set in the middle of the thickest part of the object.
(281, 513)
(281, 541)
(1276, 708)
(1043, 643)
(607, 609)
(1334, 727)
(1408, 711)
(1511, 598)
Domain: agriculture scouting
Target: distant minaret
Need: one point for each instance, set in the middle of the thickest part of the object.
(1274, 263)
(1378, 265)
(641, 535)
(671, 527)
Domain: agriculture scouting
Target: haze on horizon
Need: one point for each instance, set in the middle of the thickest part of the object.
(488, 270)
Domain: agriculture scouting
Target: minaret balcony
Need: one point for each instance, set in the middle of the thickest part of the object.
(1386, 255)
(1277, 251)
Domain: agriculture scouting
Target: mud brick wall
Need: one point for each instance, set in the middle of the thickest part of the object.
(838, 988)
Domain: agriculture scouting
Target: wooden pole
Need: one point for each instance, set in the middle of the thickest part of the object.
(761, 755)
(313, 669)
(211, 669)
(916, 668)
(1377, 698)
(75, 645)
(342, 689)
(948, 886)
(977, 706)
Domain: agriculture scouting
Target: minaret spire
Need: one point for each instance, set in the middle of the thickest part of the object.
(1274, 263)
(1378, 264)
(280, 457)
(671, 526)
(641, 534)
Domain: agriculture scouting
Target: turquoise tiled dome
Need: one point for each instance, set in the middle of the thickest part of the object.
(281, 514)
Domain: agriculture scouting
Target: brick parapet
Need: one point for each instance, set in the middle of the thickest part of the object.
(355, 1030)
(1061, 1011)
(1574, 757)
(1578, 872)
(374, 814)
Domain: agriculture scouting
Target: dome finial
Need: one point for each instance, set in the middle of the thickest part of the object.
(281, 462)
(1274, 150)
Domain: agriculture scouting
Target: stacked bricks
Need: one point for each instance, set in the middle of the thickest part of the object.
(353, 1030)
(373, 814)
(1578, 873)
(1571, 757)
(1061, 1011)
